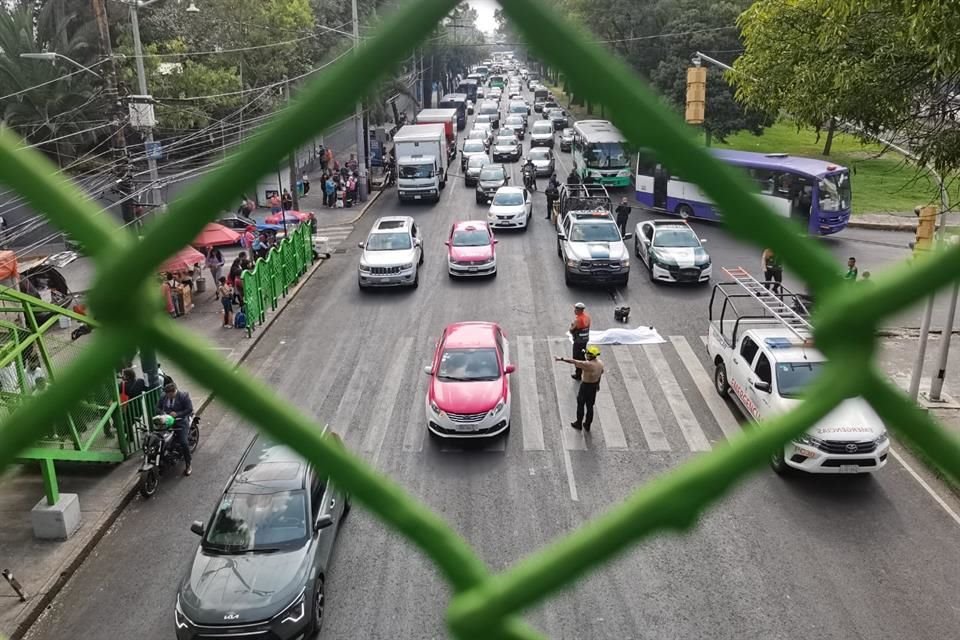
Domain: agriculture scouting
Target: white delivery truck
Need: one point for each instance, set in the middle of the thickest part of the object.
(761, 346)
(421, 151)
(446, 117)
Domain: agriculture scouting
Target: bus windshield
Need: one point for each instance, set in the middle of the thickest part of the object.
(605, 155)
(835, 193)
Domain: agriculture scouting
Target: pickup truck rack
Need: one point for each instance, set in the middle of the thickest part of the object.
(780, 307)
(576, 196)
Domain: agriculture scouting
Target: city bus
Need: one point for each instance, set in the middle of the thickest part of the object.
(469, 87)
(456, 101)
(816, 193)
(600, 152)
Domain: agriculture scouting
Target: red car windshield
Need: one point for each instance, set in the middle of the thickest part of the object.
(467, 365)
(470, 238)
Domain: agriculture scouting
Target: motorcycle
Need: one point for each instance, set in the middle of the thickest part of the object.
(529, 178)
(159, 452)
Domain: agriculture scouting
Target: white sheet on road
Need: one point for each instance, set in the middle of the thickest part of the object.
(640, 335)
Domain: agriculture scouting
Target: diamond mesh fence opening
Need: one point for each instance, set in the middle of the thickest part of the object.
(484, 605)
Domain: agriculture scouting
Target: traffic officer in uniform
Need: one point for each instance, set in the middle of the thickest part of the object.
(592, 369)
(580, 330)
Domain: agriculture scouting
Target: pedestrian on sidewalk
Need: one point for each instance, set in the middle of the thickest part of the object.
(591, 368)
(235, 279)
(580, 331)
(330, 191)
(286, 201)
(177, 405)
(246, 207)
(306, 184)
(623, 215)
(552, 196)
(225, 293)
(772, 271)
(851, 269)
(215, 263)
(275, 204)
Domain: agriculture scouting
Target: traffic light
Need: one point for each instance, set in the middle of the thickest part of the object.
(925, 228)
(696, 94)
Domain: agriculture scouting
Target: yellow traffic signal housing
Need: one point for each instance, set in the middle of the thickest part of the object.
(925, 228)
(696, 94)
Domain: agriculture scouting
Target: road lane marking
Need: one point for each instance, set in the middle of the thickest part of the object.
(416, 430)
(566, 398)
(704, 340)
(686, 420)
(343, 417)
(926, 487)
(380, 420)
(640, 399)
(719, 409)
(529, 396)
(571, 483)
(606, 415)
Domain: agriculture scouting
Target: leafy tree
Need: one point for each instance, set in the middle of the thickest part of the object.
(872, 63)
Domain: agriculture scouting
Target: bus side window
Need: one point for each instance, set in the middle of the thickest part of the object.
(764, 179)
(646, 164)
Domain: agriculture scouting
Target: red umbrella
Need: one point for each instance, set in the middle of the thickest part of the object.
(215, 235)
(184, 260)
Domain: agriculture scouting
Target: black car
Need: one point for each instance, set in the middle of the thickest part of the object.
(260, 569)
(558, 118)
(492, 177)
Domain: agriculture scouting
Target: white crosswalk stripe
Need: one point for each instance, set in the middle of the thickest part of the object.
(367, 409)
(689, 427)
(714, 402)
(334, 235)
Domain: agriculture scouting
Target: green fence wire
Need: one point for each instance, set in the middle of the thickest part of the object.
(483, 605)
(271, 277)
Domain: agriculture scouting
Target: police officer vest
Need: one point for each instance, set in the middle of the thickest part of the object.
(582, 335)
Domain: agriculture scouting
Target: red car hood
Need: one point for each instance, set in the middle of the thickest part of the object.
(471, 254)
(467, 397)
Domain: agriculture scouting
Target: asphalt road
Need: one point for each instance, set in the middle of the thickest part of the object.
(827, 557)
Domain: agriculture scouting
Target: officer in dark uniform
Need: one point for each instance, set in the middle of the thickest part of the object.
(580, 330)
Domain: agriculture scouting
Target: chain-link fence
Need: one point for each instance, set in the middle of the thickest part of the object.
(484, 606)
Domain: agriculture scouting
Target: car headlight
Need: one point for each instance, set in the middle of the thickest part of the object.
(625, 262)
(497, 409)
(181, 620)
(883, 438)
(364, 268)
(435, 408)
(807, 439)
(624, 173)
(406, 267)
(573, 263)
(296, 611)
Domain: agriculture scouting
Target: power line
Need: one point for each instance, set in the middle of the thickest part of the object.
(43, 84)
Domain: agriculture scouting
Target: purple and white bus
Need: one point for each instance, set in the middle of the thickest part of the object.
(813, 192)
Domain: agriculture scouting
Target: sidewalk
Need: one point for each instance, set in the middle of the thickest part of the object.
(43, 567)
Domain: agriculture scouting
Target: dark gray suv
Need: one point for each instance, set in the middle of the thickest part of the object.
(492, 177)
(260, 569)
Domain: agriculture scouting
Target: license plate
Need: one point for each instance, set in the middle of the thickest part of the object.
(849, 468)
(473, 268)
(416, 197)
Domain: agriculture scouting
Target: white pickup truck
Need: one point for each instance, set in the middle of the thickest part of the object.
(763, 357)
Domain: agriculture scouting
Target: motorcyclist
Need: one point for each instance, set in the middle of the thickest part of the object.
(574, 177)
(530, 175)
(178, 406)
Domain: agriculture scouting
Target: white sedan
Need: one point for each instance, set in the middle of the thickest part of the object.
(511, 207)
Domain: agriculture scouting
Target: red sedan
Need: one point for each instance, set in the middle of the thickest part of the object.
(471, 249)
(469, 393)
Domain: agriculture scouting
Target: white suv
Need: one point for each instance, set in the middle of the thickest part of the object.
(392, 254)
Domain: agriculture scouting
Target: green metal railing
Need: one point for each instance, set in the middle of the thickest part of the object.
(271, 277)
(484, 605)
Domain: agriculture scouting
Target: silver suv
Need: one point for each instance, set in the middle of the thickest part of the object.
(392, 254)
(592, 250)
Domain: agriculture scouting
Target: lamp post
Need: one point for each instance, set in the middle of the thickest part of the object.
(52, 57)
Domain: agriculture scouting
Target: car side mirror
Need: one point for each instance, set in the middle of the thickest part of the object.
(627, 236)
(509, 368)
(561, 235)
(324, 520)
(428, 370)
(197, 528)
(418, 242)
(447, 242)
(360, 244)
(703, 241)
(495, 241)
(760, 385)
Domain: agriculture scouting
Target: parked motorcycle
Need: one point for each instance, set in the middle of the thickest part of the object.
(159, 452)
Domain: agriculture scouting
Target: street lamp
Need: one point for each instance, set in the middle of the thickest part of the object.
(52, 57)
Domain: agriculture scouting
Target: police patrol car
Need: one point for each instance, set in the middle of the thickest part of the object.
(764, 360)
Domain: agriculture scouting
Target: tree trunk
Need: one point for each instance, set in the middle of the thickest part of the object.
(707, 137)
(589, 108)
(829, 143)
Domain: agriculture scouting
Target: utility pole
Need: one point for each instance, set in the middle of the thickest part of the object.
(292, 160)
(156, 198)
(119, 139)
(358, 117)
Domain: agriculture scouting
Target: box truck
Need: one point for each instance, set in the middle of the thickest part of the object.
(422, 161)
